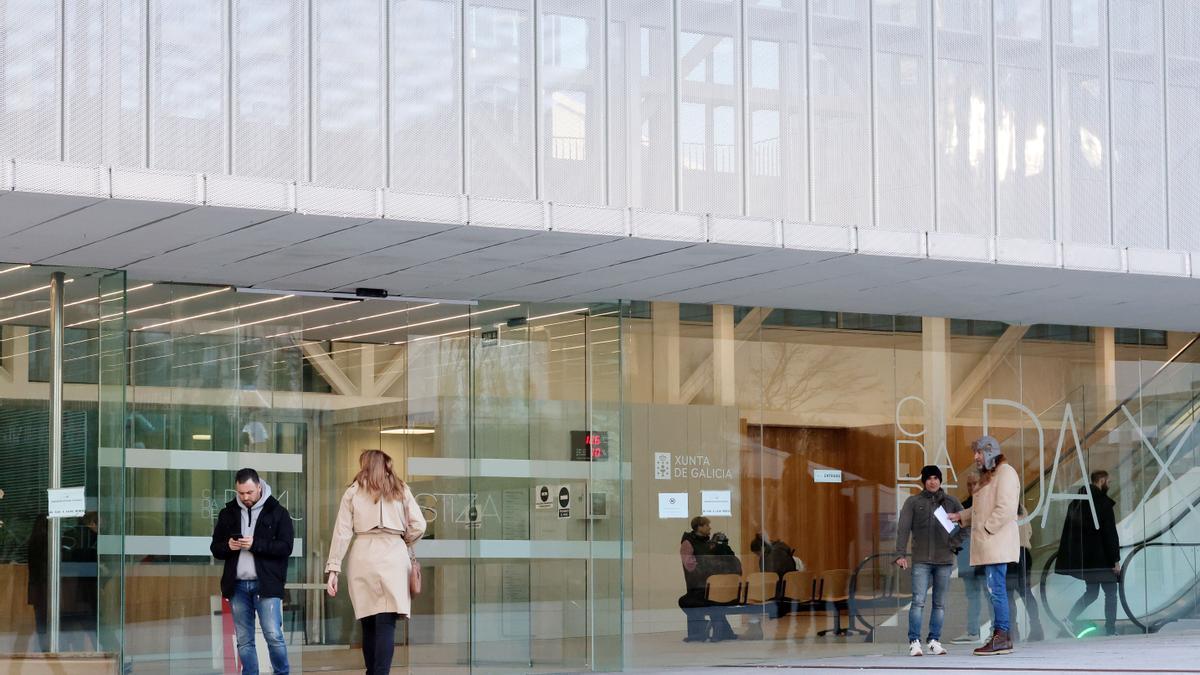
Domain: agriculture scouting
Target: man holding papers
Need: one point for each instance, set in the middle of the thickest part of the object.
(924, 519)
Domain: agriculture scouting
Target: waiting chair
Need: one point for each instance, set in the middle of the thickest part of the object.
(833, 588)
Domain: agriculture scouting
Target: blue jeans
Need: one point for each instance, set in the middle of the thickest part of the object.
(997, 589)
(246, 602)
(973, 584)
(922, 575)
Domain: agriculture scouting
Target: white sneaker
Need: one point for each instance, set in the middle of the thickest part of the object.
(966, 639)
(914, 648)
(936, 648)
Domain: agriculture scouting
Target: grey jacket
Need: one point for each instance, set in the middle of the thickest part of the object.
(930, 541)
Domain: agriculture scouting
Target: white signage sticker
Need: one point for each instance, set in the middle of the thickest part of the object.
(65, 502)
(672, 505)
(542, 497)
(827, 475)
(715, 503)
(662, 466)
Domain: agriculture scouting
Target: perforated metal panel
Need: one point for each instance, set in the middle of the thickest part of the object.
(840, 113)
(124, 117)
(964, 116)
(1024, 149)
(1081, 117)
(187, 85)
(1183, 121)
(641, 142)
(500, 99)
(426, 104)
(571, 78)
(776, 109)
(903, 118)
(347, 93)
(710, 120)
(268, 96)
(1139, 198)
(84, 53)
(29, 81)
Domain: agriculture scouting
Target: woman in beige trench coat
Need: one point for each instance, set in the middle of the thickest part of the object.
(380, 509)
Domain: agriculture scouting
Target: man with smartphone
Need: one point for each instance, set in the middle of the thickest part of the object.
(253, 536)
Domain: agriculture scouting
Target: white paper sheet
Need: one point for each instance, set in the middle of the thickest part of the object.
(940, 514)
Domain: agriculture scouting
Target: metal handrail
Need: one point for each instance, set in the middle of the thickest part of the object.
(1153, 628)
(853, 607)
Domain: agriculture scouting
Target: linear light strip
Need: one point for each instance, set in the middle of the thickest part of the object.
(212, 313)
(468, 315)
(73, 304)
(364, 318)
(355, 296)
(14, 269)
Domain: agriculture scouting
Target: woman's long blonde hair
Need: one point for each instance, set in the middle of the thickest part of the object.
(376, 476)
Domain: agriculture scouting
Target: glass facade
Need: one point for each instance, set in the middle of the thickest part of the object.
(558, 453)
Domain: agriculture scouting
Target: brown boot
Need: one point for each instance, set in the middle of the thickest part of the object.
(999, 643)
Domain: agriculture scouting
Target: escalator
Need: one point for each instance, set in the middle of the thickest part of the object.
(1160, 534)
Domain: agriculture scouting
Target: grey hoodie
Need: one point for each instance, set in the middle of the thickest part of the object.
(249, 516)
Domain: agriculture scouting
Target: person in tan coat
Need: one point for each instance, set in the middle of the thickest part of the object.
(379, 512)
(995, 537)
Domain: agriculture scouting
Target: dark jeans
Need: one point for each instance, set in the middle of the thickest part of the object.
(1018, 585)
(379, 642)
(701, 616)
(1089, 596)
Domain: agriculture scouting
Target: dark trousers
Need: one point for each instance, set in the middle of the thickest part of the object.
(379, 642)
(1110, 604)
(1019, 585)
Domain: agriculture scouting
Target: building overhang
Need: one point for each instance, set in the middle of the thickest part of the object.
(161, 226)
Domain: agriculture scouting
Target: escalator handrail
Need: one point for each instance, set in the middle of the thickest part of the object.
(1084, 441)
(1125, 569)
(853, 591)
(1047, 570)
(1112, 413)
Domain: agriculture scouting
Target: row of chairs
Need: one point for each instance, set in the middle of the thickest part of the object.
(799, 590)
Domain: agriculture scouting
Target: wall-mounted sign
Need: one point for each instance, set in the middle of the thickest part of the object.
(564, 501)
(542, 499)
(715, 503)
(662, 466)
(589, 446)
(827, 475)
(65, 502)
(490, 337)
(672, 505)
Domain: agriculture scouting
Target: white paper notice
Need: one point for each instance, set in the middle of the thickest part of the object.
(715, 503)
(672, 505)
(940, 514)
(65, 502)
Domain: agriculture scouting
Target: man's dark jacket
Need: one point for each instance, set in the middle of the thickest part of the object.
(930, 541)
(272, 546)
(1085, 552)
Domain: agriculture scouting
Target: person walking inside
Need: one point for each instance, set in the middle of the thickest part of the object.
(995, 539)
(379, 512)
(972, 577)
(253, 536)
(932, 557)
(1091, 554)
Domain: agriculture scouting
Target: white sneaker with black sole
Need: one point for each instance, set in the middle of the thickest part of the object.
(936, 648)
(914, 648)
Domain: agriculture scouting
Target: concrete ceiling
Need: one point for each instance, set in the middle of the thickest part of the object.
(276, 249)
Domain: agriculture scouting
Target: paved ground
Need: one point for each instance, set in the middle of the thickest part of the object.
(1176, 652)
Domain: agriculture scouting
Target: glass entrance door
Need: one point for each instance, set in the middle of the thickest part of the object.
(59, 577)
